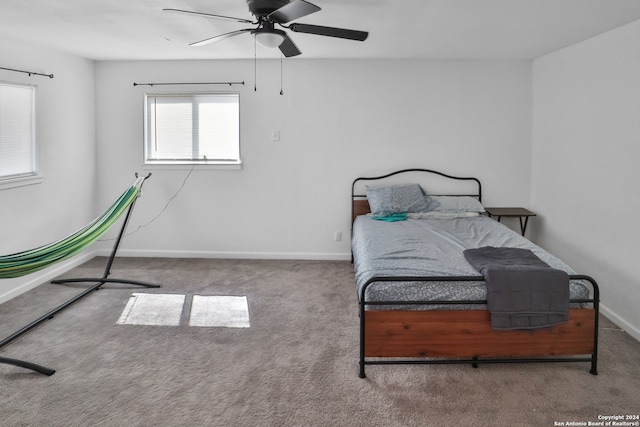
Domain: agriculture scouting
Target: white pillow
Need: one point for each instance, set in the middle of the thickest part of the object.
(441, 215)
(457, 204)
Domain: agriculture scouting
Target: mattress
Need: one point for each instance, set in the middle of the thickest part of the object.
(433, 247)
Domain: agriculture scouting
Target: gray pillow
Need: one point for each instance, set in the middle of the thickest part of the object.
(401, 198)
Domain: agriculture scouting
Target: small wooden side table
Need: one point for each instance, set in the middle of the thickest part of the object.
(521, 213)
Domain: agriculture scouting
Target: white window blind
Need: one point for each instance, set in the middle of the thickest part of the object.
(17, 131)
(196, 128)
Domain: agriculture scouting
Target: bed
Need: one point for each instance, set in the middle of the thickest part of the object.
(421, 302)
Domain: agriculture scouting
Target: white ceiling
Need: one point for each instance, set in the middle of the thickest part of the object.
(140, 30)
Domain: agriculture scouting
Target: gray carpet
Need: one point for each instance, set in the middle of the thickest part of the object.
(295, 366)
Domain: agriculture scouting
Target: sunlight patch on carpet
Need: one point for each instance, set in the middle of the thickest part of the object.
(152, 309)
(219, 311)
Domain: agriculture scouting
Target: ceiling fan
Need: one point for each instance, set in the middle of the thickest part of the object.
(268, 14)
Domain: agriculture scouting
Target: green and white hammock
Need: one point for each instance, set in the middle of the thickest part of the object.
(27, 262)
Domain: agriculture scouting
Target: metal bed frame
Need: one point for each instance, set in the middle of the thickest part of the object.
(464, 336)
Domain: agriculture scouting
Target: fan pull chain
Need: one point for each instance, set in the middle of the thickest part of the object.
(281, 91)
(255, 65)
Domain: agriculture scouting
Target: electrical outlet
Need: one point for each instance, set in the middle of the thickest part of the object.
(275, 135)
(337, 236)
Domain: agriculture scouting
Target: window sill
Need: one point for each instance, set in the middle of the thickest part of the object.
(183, 166)
(20, 182)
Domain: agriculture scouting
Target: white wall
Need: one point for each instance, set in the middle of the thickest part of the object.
(65, 107)
(586, 157)
(338, 119)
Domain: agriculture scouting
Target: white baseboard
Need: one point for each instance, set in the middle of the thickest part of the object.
(23, 284)
(229, 255)
(623, 324)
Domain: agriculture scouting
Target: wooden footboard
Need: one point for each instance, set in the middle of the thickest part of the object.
(460, 336)
(468, 333)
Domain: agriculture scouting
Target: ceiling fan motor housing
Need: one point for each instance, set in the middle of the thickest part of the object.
(260, 8)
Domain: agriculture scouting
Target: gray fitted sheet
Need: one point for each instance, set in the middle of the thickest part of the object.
(433, 247)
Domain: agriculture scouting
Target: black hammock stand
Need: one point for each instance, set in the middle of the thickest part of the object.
(98, 283)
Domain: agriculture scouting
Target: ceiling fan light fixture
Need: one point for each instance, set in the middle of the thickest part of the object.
(269, 39)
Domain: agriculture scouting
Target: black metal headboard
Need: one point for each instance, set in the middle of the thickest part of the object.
(359, 196)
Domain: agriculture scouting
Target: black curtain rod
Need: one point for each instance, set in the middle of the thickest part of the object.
(31, 73)
(186, 83)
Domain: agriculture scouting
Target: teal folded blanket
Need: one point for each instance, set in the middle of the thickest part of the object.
(391, 218)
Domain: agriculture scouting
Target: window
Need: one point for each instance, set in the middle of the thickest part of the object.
(192, 128)
(17, 132)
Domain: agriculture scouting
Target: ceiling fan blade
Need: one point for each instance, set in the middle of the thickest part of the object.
(209, 15)
(329, 31)
(289, 48)
(221, 37)
(294, 10)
